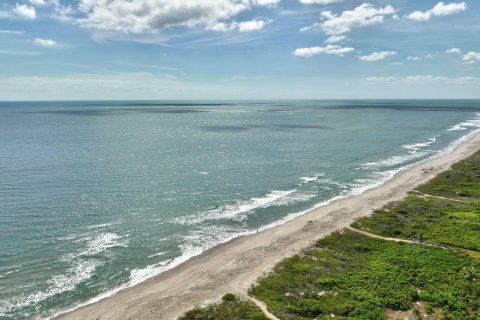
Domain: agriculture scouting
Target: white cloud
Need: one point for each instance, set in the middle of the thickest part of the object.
(413, 58)
(334, 39)
(148, 16)
(25, 11)
(14, 32)
(440, 9)
(38, 2)
(319, 1)
(19, 53)
(251, 25)
(454, 51)
(266, 2)
(244, 26)
(471, 57)
(245, 78)
(381, 78)
(424, 79)
(375, 56)
(5, 14)
(419, 16)
(329, 49)
(44, 42)
(119, 86)
(362, 16)
(314, 26)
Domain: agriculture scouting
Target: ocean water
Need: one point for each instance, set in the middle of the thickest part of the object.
(97, 196)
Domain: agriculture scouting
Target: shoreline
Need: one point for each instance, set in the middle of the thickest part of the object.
(234, 265)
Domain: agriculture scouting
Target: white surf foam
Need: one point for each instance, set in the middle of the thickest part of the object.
(473, 123)
(194, 243)
(394, 160)
(415, 151)
(12, 271)
(79, 272)
(306, 180)
(235, 211)
(295, 197)
(82, 267)
(156, 255)
(101, 243)
(413, 148)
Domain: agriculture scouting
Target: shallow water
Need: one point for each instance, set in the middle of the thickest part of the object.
(100, 195)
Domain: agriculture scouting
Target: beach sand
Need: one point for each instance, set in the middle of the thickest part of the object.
(236, 265)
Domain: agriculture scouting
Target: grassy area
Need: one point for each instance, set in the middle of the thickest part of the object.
(461, 182)
(231, 308)
(432, 219)
(352, 276)
(428, 219)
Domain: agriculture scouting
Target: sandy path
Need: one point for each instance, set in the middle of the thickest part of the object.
(426, 195)
(262, 307)
(376, 236)
(234, 266)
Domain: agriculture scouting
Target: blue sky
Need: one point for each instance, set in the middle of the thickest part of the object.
(238, 49)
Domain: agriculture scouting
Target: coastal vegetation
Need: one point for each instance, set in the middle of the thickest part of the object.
(444, 211)
(428, 220)
(418, 258)
(461, 182)
(352, 276)
(231, 308)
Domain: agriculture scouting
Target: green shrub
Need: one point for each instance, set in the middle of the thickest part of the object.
(231, 310)
(229, 297)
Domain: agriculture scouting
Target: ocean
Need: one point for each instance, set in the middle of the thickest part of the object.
(99, 196)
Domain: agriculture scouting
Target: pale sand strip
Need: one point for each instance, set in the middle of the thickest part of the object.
(235, 265)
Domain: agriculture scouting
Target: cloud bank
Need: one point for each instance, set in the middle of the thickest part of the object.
(329, 49)
(440, 9)
(149, 16)
(375, 56)
(25, 11)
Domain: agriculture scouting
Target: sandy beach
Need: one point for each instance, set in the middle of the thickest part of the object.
(235, 265)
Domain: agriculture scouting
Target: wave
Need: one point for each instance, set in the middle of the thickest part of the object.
(236, 211)
(393, 161)
(306, 180)
(103, 225)
(10, 271)
(376, 179)
(81, 268)
(413, 148)
(206, 239)
(473, 123)
(101, 243)
(415, 151)
(156, 255)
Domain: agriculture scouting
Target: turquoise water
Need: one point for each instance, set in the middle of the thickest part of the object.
(95, 196)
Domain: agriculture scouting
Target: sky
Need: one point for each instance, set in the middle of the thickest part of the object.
(239, 49)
